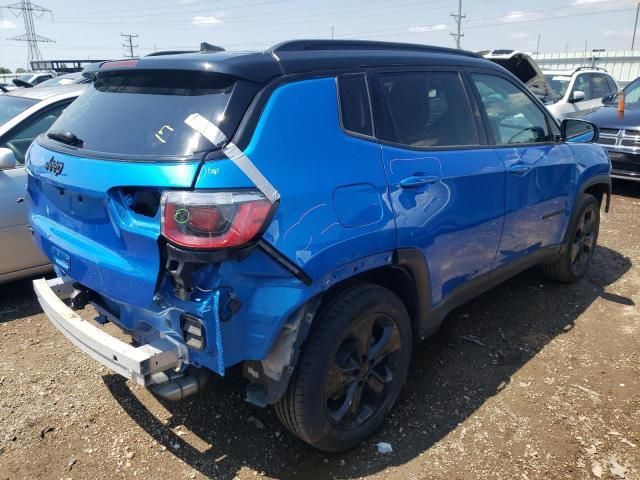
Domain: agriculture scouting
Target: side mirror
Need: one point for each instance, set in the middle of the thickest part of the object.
(578, 131)
(576, 96)
(7, 159)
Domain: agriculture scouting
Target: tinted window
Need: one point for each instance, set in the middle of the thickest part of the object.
(600, 87)
(427, 109)
(11, 106)
(143, 113)
(354, 104)
(613, 87)
(513, 117)
(20, 139)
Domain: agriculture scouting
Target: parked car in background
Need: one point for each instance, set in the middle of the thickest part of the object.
(24, 114)
(65, 79)
(579, 92)
(28, 80)
(566, 94)
(525, 69)
(309, 212)
(620, 131)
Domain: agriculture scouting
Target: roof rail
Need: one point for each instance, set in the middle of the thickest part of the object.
(208, 48)
(591, 68)
(307, 45)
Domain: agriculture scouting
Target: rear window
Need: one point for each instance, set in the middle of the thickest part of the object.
(12, 106)
(143, 113)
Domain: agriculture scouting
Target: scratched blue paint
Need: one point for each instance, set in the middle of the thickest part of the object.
(342, 211)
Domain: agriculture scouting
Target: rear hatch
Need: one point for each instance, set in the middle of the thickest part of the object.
(525, 69)
(96, 178)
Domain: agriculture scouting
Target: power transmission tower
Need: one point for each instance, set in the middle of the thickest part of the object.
(28, 10)
(129, 44)
(458, 18)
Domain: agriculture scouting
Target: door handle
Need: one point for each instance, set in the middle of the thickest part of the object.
(415, 181)
(519, 169)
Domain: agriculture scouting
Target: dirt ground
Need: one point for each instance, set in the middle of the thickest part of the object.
(531, 380)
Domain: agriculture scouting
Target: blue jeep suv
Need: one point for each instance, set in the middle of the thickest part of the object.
(309, 212)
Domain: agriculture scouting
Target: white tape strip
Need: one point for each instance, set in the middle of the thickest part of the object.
(237, 156)
(205, 128)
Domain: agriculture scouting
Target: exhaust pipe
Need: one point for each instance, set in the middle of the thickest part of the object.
(176, 386)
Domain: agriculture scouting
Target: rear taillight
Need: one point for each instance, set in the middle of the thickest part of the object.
(213, 219)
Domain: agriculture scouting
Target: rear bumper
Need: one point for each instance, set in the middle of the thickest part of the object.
(137, 364)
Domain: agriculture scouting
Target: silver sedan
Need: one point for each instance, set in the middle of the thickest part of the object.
(24, 114)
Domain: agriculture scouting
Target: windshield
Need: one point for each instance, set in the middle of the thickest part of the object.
(631, 93)
(143, 112)
(11, 106)
(25, 78)
(558, 84)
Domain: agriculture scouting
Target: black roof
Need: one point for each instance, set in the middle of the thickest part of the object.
(304, 56)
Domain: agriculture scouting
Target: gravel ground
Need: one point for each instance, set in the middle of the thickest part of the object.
(531, 380)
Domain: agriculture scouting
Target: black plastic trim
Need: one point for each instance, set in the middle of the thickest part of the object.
(285, 262)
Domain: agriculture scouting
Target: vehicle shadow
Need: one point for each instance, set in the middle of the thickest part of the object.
(626, 188)
(17, 299)
(471, 358)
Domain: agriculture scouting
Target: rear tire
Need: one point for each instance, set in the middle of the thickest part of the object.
(580, 245)
(351, 369)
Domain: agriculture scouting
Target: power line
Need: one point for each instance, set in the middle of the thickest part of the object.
(458, 18)
(635, 26)
(28, 10)
(129, 45)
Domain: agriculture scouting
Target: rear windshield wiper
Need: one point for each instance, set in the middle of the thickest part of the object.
(67, 138)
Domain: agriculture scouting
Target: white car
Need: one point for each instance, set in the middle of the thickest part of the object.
(25, 113)
(578, 92)
(30, 79)
(566, 94)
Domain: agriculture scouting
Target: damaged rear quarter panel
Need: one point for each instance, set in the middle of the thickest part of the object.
(299, 147)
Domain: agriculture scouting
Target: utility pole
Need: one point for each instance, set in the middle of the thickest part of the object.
(28, 10)
(635, 26)
(458, 18)
(538, 45)
(129, 44)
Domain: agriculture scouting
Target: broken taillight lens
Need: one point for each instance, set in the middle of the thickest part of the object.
(213, 219)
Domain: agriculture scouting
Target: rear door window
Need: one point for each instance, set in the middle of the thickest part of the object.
(355, 109)
(426, 109)
(142, 113)
(514, 118)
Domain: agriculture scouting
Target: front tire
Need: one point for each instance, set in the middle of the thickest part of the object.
(580, 245)
(351, 370)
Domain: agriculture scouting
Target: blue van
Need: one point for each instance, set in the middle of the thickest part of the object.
(309, 212)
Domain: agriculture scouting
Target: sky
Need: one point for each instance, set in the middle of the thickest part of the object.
(92, 29)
